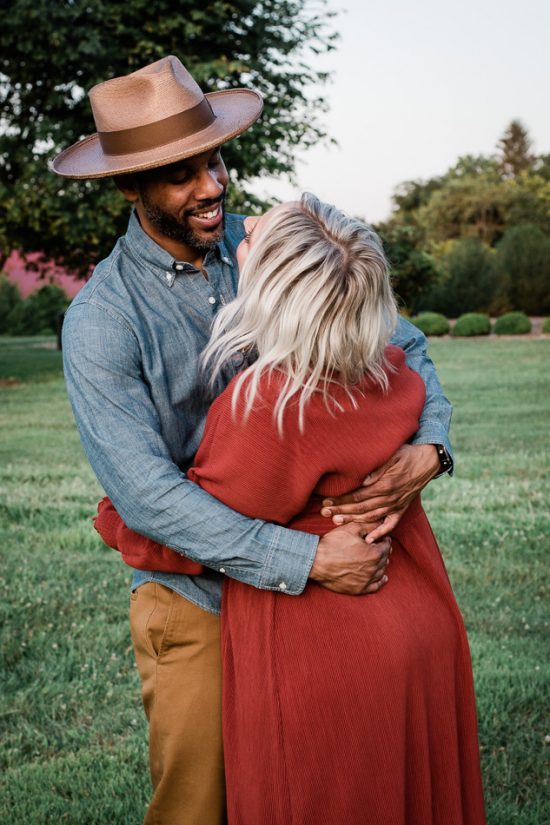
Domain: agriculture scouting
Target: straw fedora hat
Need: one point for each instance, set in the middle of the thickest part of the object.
(153, 117)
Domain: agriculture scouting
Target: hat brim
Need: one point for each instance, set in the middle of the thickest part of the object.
(235, 111)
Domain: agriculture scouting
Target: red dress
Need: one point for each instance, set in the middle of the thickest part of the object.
(340, 710)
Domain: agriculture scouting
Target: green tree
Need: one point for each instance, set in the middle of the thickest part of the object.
(413, 270)
(469, 206)
(468, 282)
(52, 53)
(515, 150)
(479, 199)
(530, 200)
(523, 260)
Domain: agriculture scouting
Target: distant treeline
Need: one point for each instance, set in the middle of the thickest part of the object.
(476, 239)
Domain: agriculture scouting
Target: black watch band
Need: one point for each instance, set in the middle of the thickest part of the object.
(445, 460)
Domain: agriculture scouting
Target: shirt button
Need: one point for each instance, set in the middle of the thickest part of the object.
(282, 586)
(211, 300)
(226, 261)
(222, 569)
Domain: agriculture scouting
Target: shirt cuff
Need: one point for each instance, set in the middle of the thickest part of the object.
(289, 560)
(433, 432)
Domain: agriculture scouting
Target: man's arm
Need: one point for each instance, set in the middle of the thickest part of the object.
(435, 421)
(388, 491)
(121, 434)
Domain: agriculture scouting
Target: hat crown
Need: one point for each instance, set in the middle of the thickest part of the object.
(149, 94)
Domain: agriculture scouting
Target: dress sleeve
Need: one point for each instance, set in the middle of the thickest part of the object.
(139, 551)
(246, 463)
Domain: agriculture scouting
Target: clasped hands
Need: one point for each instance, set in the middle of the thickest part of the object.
(353, 557)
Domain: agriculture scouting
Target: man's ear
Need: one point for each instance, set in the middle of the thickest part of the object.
(127, 186)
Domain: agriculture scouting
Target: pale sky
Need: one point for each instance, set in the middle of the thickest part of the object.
(418, 84)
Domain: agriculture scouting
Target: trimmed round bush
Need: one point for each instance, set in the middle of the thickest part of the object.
(432, 323)
(546, 325)
(472, 323)
(513, 323)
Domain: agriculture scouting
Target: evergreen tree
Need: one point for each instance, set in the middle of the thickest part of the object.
(514, 149)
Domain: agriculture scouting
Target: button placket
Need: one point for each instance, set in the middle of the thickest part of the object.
(227, 283)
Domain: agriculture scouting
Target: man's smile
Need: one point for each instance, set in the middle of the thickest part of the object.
(208, 218)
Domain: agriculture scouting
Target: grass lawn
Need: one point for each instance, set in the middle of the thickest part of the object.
(73, 733)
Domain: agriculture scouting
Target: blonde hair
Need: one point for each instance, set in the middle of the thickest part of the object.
(314, 303)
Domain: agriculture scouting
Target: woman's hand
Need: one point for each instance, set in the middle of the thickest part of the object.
(387, 492)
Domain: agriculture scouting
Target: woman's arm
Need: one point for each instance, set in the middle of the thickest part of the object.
(139, 551)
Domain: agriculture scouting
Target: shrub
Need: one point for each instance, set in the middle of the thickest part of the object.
(431, 323)
(546, 325)
(472, 323)
(37, 314)
(513, 323)
(9, 299)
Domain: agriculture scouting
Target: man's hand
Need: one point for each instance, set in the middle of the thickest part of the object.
(387, 492)
(346, 564)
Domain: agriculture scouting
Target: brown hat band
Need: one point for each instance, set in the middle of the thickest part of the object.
(142, 138)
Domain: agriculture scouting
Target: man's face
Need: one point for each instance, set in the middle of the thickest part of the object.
(184, 202)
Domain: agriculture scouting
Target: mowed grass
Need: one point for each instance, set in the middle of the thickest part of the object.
(73, 734)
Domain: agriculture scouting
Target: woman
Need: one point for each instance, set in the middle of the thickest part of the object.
(337, 709)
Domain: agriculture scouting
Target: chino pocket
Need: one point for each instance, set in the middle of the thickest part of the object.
(150, 611)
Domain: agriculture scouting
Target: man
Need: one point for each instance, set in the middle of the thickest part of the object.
(132, 339)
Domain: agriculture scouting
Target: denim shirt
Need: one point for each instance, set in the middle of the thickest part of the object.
(131, 343)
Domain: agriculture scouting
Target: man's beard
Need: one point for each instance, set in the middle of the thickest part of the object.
(179, 230)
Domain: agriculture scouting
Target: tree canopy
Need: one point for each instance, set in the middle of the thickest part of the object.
(475, 224)
(51, 54)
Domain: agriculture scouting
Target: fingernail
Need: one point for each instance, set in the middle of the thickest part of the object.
(384, 579)
(327, 502)
(325, 512)
(338, 519)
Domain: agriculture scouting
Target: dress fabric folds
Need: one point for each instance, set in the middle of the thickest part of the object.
(340, 710)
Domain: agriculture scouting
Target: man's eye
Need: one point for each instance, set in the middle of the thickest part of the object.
(246, 238)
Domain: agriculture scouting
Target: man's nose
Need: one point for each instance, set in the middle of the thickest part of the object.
(209, 186)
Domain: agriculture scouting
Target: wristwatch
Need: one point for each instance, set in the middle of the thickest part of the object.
(445, 459)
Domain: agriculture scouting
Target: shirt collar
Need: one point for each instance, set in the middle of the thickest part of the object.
(144, 248)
